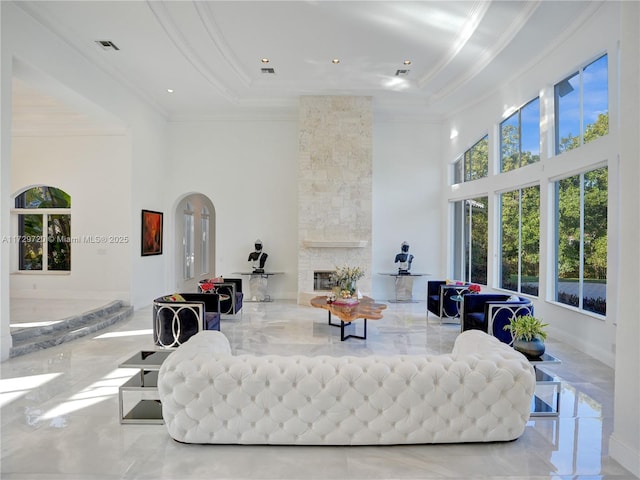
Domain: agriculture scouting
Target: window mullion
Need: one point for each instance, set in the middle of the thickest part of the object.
(519, 287)
(519, 138)
(45, 242)
(470, 241)
(581, 93)
(581, 266)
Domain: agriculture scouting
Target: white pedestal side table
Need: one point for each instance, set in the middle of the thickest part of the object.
(258, 284)
(404, 286)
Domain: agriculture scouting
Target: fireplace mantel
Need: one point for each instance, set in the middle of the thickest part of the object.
(335, 243)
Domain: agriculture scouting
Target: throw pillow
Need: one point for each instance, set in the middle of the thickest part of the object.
(513, 298)
(176, 297)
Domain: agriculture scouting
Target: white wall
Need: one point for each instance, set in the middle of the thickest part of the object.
(89, 169)
(150, 168)
(597, 35)
(6, 72)
(624, 445)
(248, 169)
(407, 188)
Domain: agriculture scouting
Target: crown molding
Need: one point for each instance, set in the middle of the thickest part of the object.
(174, 34)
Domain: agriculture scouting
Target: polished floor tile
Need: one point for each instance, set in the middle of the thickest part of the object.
(59, 410)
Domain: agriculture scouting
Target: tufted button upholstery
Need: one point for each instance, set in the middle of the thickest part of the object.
(480, 392)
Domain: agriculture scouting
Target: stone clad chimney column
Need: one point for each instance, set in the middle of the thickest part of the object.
(334, 187)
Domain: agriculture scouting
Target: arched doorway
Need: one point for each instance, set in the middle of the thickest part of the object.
(195, 241)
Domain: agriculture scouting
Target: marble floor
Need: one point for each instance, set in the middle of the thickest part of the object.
(59, 410)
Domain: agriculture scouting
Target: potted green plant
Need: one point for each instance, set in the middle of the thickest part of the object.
(529, 334)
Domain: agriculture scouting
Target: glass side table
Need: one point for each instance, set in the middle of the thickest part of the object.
(545, 404)
(148, 409)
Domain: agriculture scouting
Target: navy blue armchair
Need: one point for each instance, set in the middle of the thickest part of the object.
(230, 291)
(176, 320)
(490, 312)
(439, 298)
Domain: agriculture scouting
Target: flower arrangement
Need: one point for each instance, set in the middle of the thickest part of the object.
(345, 278)
(474, 288)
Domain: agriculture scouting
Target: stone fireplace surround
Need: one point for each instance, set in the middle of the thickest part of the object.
(335, 188)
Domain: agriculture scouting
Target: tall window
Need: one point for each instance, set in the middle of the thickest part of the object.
(520, 240)
(582, 106)
(520, 137)
(474, 163)
(204, 245)
(581, 248)
(471, 239)
(189, 243)
(44, 229)
(476, 160)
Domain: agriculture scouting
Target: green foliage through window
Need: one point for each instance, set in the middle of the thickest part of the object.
(44, 235)
(520, 240)
(581, 248)
(582, 106)
(471, 239)
(520, 137)
(476, 160)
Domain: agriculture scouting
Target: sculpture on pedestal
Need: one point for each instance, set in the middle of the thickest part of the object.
(404, 258)
(258, 257)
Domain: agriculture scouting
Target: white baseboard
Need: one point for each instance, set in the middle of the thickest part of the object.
(624, 455)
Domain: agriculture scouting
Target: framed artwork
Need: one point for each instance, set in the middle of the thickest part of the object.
(151, 233)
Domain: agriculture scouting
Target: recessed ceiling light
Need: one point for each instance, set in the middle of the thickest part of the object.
(335, 61)
(170, 90)
(407, 62)
(265, 60)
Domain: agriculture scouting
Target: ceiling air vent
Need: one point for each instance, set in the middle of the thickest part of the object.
(107, 45)
(402, 73)
(269, 71)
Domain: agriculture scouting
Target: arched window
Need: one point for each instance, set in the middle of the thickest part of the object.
(204, 224)
(44, 229)
(189, 242)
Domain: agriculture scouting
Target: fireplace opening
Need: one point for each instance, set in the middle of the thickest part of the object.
(322, 280)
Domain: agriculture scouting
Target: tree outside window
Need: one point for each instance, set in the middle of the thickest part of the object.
(581, 249)
(44, 229)
(520, 240)
(471, 239)
(582, 106)
(476, 160)
(520, 137)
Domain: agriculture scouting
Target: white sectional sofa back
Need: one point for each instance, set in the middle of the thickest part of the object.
(481, 392)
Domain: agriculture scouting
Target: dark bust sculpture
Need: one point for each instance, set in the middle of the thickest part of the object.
(258, 257)
(405, 259)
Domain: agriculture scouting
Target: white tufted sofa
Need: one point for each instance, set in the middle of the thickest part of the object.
(481, 392)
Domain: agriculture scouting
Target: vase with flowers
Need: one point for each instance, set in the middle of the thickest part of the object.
(474, 288)
(345, 279)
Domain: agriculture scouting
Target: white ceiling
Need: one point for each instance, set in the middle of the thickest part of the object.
(209, 52)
